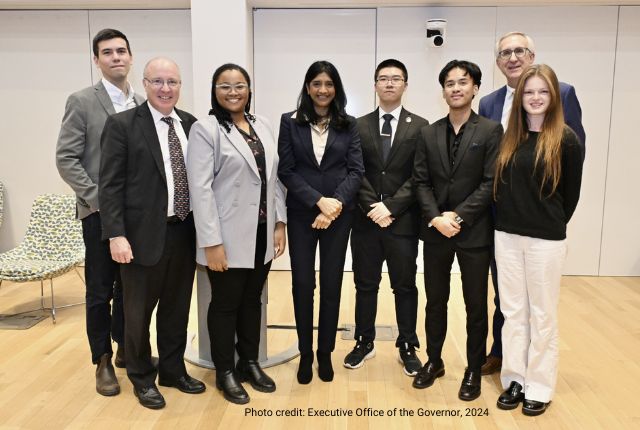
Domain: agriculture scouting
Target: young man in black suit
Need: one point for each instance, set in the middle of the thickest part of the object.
(386, 225)
(146, 215)
(453, 174)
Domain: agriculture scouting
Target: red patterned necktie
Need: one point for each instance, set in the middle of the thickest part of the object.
(180, 184)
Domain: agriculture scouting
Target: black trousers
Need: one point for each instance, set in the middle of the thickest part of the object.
(474, 269)
(168, 285)
(303, 241)
(498, 318)
(236, 308)
(370, 247)
(102, 276)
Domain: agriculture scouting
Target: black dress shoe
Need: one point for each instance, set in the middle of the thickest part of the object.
(533, 407)
(305, 372)
(511, 397)
(149, 397)
(325, 367)
(470, 387)
(232, 389)
(250, 370)
(106, 381)
(428, 374)
(185, 383)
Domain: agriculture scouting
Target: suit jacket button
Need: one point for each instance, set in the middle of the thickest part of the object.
(384, 173)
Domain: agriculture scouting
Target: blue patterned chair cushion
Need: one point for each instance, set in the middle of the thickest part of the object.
(52, 245)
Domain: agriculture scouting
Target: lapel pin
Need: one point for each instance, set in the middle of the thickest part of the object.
(408, 119)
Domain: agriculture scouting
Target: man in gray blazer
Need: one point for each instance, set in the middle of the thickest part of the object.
(78, 161)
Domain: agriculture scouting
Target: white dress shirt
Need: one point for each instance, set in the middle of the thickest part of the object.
(506, 108)
(319, 135)
(394, 121)
(120, 100)
(162, 128)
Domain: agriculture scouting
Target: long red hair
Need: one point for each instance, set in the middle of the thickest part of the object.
(549, 145)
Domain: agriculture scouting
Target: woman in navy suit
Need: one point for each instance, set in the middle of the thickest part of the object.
(321, 166)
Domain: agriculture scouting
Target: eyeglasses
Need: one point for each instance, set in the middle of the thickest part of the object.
(159, 83)
(393, 80)
(505, 54)
(226, 88)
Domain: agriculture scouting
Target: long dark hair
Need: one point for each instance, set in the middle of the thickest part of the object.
(221, 114)
(307, 114)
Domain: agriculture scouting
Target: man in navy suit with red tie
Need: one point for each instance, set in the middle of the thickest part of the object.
(515, 52)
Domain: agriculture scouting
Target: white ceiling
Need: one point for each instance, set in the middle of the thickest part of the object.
(185, 4)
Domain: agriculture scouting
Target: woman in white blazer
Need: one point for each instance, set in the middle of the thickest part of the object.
(239, 211)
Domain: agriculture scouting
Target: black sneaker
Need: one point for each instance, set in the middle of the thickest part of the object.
(361, 352)
(410, 360)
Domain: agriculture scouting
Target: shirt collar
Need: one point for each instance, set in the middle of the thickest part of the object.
(450, 126)
(115, 94)
(395, 113)
(510, 91)
(157, 116)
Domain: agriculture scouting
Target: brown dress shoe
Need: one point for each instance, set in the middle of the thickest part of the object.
(491, 366)
(119, 360)
(106, 382)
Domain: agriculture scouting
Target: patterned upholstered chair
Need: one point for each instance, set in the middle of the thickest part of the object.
(52, 246)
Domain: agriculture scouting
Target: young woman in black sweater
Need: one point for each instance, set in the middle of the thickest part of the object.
(537, 187)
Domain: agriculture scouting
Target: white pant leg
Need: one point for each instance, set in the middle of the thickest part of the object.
(543, 262)
(514, 303)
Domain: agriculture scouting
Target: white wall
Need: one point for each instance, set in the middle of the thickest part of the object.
(581, 49)
(46, 55)
(620, 254)
(287, 42)
(222, 32)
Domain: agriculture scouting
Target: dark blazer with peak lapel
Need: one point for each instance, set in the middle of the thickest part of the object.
(78, 148)
(466, 188)
(338, 175)
(491, 107)
(133, 187)
(391, 181)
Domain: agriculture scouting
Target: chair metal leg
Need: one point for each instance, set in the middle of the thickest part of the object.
(41, 294)
(53, 305)
(80, 276)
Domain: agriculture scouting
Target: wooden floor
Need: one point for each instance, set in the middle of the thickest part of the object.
(47, 379)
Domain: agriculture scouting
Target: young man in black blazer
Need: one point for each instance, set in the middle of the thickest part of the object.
(386, 225)
(453, 174)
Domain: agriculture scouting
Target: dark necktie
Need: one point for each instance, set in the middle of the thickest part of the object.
(180, 185)
(385, 136)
